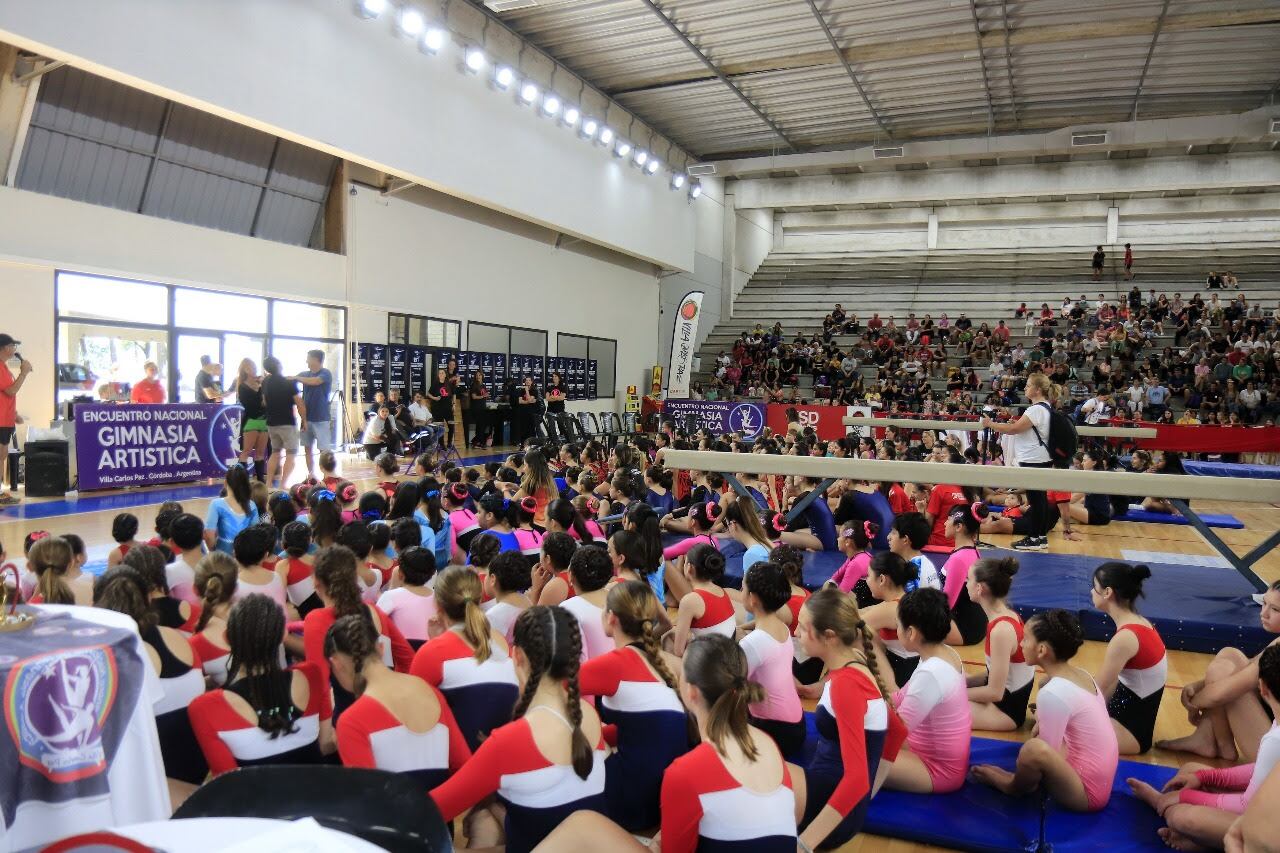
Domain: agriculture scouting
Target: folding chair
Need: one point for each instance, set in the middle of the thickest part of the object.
(609, 427)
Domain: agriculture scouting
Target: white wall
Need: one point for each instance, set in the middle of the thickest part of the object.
(315, 73)
(706, 274)
(428, 253)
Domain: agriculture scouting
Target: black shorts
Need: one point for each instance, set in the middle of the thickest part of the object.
(1135, 713)
(6, 435)
(903, 667)
(1096, 519)
(788, 736)
(1014, 703)
(1022, 524)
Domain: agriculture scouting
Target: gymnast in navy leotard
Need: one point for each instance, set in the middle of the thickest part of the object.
(637, 696)
(549, 761)
(858, 729)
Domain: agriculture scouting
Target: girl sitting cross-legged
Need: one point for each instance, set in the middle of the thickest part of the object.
(998, 698)
(1074, 754)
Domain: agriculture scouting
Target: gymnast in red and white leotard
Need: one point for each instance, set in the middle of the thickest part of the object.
(1075, 754)
(397, 722)
(1136, 667)
(708, 608)
(549, 762)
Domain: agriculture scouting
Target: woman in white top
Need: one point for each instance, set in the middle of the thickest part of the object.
(1030, 439)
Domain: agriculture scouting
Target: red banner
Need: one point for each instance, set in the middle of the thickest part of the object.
(1211, 439)
(827, 421)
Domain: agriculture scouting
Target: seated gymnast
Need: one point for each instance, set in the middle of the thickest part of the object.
(907, 538)
(733, 791)
(552, 583)
(968, 622)
(1135, 667)
(633, 561)
(1089, 509)
(1163, 462)
(546, 764)
(1201, 803)
(806, 670)
(859, 734)
(264, 714)
(933, 704)
(1254, 831)
(468, 661)
(769, 652)
(855, 543)
(505, 584)
(397, 722)
(1225, 706)
(590, 573)
(123, 590)
(215, 582)
(998, 698)
(1074, 754)
(409, 602)
(638, 699)
(702, 518)
(708, 608)
(891, 577)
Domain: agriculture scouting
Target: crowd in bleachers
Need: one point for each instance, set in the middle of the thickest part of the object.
(1222, 365)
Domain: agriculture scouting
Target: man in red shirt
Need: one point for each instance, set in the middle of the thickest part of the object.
(148, 390)
(9, 387)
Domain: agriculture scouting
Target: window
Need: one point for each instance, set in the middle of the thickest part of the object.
(424, 331)
(603, 351)
(108, 329)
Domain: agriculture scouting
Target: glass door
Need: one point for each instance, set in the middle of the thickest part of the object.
(191, 350)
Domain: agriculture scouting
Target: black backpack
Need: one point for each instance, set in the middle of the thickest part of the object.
(1063, 438)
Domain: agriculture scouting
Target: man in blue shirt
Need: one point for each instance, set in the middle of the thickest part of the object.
(316, 383)
(1157, 397)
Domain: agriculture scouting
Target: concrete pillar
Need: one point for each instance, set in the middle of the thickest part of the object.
(1113, 225)
(729, 247)
(932, 240)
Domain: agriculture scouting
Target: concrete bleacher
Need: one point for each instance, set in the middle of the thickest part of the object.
(985, 286)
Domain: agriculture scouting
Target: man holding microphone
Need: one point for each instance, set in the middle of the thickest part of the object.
(9, 388)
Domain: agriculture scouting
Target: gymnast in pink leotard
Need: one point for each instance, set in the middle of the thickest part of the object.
(1201, 802)
(855, 544)
(934, 703)
(1075, 754)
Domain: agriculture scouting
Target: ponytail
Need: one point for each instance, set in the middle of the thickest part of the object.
(458, 594)
(837, 612)
(50, 558)
(215, 579)
(717, 666)
(565, 514)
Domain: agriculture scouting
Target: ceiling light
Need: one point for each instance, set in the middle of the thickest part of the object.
(641, 157)
(475, 59)
(433, 40)
(528, 93)
(570, 116)
(589, 128)
(622, 148)
(411, 22)
(551, 105)
(653, 166)
(606, 135)
(371, 8)
(504, 76)
(695, 190)
(677, 180)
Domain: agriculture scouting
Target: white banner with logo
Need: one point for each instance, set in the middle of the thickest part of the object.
(682, 344)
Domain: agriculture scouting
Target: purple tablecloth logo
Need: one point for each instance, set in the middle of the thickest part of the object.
(56, 706)
(120, 446)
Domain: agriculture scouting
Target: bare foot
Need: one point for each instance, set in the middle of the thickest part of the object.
(995, 777)
(1177, 840)
(1145, 792)
(1196, 744)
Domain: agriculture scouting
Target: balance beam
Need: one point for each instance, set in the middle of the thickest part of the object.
(1178, 489)
(974, 426)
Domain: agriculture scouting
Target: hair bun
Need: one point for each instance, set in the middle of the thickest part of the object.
(1141, 572)
(1008, 566)
(528, 504)
(348, 492)
(458, 492)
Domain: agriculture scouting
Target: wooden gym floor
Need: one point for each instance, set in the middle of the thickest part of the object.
(1105, 542)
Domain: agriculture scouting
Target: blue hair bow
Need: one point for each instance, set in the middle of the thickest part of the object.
(434, 493)
(506, 503)
(371, 515)
(912, 586)
(325, 495)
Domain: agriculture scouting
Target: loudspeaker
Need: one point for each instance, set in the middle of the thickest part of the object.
(48, 468)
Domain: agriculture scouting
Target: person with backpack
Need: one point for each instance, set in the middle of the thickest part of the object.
(1040, 437)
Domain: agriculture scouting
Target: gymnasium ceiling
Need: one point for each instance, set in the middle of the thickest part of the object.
(781, 76)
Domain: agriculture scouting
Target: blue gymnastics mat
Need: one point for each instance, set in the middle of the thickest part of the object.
(1194, 608)
(1231, 469)
(978, 818)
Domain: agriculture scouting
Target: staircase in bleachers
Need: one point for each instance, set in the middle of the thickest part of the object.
(799, 290)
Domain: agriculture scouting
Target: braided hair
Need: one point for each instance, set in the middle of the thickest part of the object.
(123, 590)
(1059, 630)
(837, 612)
(357, 638)
(296, 537)
(636, 608)
(149, 562)
(255, 628)
(325, 517)
(717, 666)
(552, 643)
(336, 569)
(216, 576)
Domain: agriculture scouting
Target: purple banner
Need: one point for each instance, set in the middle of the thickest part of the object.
(744, 418)
(119, 446)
